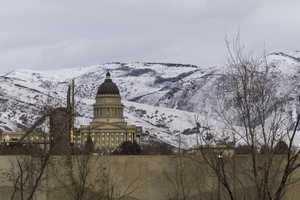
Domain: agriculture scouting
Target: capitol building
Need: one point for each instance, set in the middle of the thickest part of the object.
(108, 128)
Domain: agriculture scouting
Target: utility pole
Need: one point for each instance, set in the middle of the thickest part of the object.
(71, 110)
(219, 162)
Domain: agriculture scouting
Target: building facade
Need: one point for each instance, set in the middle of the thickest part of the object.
(108, 129)
(10, 138)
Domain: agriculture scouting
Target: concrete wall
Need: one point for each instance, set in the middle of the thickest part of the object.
(138, 177)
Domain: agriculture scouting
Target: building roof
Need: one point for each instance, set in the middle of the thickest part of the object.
(108, 87)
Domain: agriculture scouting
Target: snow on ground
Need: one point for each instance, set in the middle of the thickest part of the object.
(162, 98)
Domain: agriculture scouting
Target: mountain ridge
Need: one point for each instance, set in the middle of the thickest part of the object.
(164, 98)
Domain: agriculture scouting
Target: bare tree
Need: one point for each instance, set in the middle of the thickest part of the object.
(90, 177)
(28, 168)
(180, 186)
(185, 180)
(119, 188)
(254, 109)
(76, 176)
(27, 173)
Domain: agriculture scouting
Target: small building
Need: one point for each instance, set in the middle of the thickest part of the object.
(57, 140)
(108, 129)
(13, 137)
(219, 150)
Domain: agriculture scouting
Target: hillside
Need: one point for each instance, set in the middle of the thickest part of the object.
(162, 97)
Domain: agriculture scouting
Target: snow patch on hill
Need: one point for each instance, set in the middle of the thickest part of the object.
(163, 98)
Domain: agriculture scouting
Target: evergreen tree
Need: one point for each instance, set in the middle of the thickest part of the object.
(128, 148)
(89, 145)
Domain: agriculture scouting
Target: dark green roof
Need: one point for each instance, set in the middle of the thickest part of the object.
(108, 87)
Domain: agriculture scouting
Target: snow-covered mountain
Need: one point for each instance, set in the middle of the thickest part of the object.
(163, 98)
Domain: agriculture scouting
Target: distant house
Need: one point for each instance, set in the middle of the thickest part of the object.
(219, 150)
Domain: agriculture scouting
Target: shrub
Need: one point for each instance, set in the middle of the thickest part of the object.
(281, 148)
(128, 148)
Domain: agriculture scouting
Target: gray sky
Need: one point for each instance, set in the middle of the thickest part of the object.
(40, 34)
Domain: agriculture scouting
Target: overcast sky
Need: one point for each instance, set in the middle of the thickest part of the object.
(40, 34)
